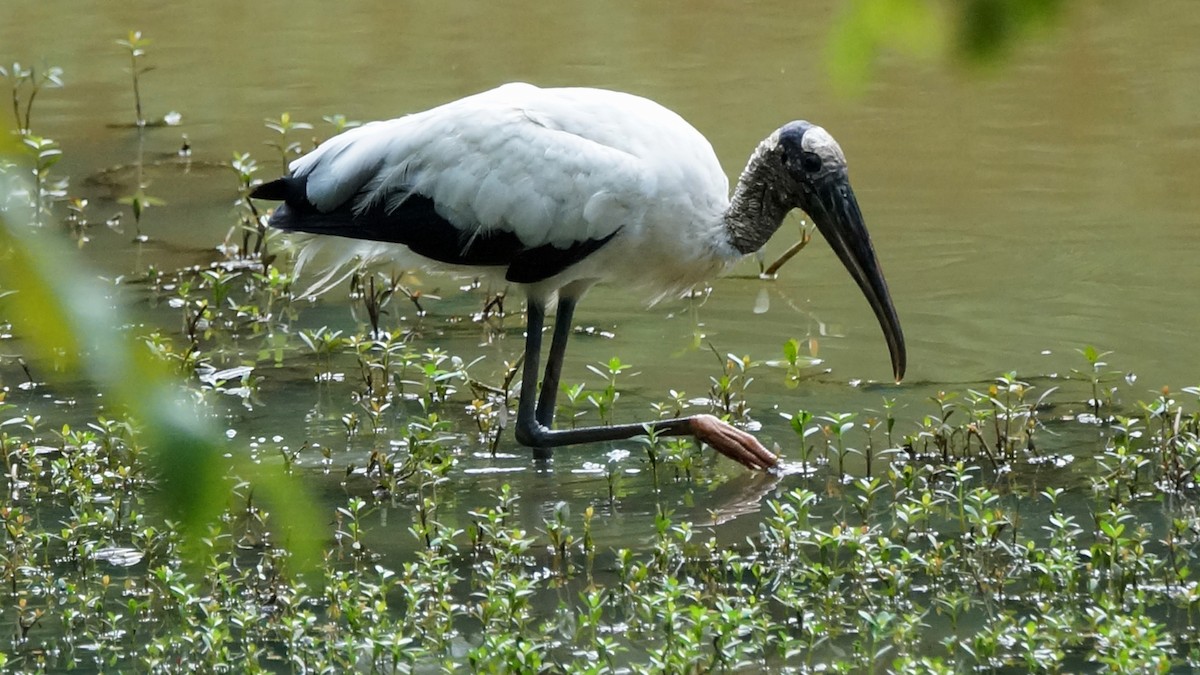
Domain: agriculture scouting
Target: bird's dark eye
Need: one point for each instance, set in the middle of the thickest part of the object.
(810, 162)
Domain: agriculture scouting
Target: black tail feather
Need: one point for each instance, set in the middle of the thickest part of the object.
(287, 189)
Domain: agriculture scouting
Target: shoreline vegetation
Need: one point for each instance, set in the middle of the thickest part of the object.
(967, 546)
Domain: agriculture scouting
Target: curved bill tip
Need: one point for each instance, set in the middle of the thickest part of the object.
(836, 214)
(875, 288)
(895, 338)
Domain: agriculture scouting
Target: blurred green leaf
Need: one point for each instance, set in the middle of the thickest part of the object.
(976, 31)
(65, 318)
(45, 320)
(987, 28)
(866, 27)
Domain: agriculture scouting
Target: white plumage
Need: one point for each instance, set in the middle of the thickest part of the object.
(557, 189)
(552, 166)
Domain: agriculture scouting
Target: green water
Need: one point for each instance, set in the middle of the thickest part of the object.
(1019, 213)
(1039, 207)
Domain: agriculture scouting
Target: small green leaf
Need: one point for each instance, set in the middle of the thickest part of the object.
(791, 350)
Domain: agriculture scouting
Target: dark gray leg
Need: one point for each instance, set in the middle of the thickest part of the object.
(554, 362)
(529, 430)
(532, 432)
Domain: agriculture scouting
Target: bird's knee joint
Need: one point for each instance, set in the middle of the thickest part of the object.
(537, 437)
(533, 435)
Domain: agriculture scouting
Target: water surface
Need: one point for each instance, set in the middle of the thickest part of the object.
(1019, 213)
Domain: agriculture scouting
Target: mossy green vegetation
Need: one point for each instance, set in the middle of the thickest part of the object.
(957, 554)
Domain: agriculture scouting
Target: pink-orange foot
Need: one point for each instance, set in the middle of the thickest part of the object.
(740, 446)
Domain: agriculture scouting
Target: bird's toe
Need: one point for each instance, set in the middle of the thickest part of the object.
(740, 446)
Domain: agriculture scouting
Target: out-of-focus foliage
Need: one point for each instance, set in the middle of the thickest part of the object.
(73, 330)
(976, 32)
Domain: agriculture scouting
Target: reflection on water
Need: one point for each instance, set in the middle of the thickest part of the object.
(1019, 215)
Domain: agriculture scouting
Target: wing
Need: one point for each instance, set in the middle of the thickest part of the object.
(521, 177)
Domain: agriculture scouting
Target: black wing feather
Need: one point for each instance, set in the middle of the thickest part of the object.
(415, 223)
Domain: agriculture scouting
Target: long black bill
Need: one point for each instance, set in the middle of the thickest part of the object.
(835, 211)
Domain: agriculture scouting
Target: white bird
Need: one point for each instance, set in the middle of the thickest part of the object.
(558, 189)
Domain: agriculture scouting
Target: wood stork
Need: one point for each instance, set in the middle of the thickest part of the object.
(557, 189)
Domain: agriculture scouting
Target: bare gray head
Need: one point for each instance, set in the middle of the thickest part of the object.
(801, 166)
(808, 151)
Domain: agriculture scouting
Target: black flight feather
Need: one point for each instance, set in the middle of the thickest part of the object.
(415, 223)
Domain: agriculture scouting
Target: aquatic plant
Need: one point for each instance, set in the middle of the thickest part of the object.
(604, 400)
(33, 203)
(727, 393)
(283, 143)
(25, 83)
(876, 573)
(135, 44)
